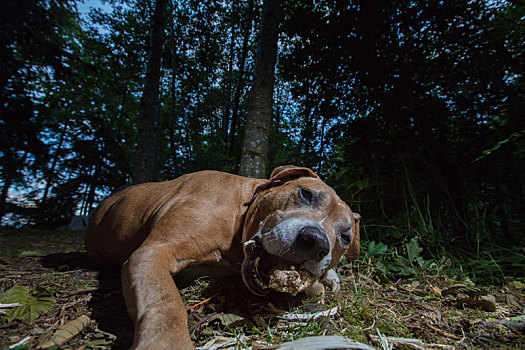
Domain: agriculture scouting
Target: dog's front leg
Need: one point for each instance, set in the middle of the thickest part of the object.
(153, 300)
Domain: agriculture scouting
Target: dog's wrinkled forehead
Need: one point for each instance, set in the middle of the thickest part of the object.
(326, 200)
(308, 198)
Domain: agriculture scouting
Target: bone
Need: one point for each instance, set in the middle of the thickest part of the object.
(290, 281)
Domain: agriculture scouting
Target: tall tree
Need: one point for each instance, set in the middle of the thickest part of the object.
(146, 153)
(247, 27)
(260, 104)
(28, 62)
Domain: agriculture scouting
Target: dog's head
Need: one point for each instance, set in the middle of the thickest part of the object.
(295, 219)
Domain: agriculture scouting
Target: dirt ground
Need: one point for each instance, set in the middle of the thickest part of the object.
(428, 312)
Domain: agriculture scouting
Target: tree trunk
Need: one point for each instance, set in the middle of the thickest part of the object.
(172, 106)
(259, 118)
(8, 181)
(238, 85)
(90, 198)
(320, 163)
(10, 172)
(227, 97)
(51, 175)
(144, 167)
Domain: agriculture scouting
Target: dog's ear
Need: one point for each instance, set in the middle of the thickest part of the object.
(290, 172)
(283, 174)
(352, 252)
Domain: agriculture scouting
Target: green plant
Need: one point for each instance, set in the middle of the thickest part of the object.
(33, 302)
(391, 262)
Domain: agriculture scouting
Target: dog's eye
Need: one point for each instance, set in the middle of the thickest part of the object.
(306, 195)
(345, 237)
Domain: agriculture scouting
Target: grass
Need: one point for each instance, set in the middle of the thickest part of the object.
(435, 306)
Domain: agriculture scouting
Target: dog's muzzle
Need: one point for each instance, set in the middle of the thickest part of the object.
(293, 242)
(310, 244)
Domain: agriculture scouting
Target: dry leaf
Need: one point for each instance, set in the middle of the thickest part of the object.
(310, 316)
(324, 342)
(436, 290)
(411, 343)
(67, 331)
(231, 320)
(475, 303)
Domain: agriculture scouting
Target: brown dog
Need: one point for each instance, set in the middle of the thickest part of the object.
(157, 229)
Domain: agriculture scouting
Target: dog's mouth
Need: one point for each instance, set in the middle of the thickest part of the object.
(260, 271)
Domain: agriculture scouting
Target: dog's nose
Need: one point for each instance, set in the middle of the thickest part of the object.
(312, 242)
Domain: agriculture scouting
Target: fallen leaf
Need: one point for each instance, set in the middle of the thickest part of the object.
(66, 332)
(31, 253)
(231, 320)
(220, 342)
(309, 316)
(99, 342)
(516, 285)
(411, 343)
(436, 290)
(260, 322)
(324, 342)
(471, 291)
(475, 303)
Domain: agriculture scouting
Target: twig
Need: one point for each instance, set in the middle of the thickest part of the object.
(81, 291)
(397, 300)
(21, 342)
(202, 302)
(370, 327)
(9, 306)
(442, 332)
(63, 310)
(202, 320)
(69, 272)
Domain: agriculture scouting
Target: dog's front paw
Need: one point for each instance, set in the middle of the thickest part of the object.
(331, 280)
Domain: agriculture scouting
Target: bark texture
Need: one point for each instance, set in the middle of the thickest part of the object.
(144, 167)
(242, 64)
(259, 117)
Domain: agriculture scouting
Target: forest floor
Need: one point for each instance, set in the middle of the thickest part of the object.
(69, 302)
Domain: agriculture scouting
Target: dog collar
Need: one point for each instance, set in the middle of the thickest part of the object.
(254, 198)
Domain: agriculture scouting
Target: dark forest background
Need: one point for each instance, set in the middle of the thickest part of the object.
(414, 111)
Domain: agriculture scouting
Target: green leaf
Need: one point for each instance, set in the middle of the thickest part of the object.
(407, 271)
(380, 266)
(517, 319)
(511, 138)
(413, 249)
(29, 253)
(376, 249)
(33, 303)
(402, 261)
